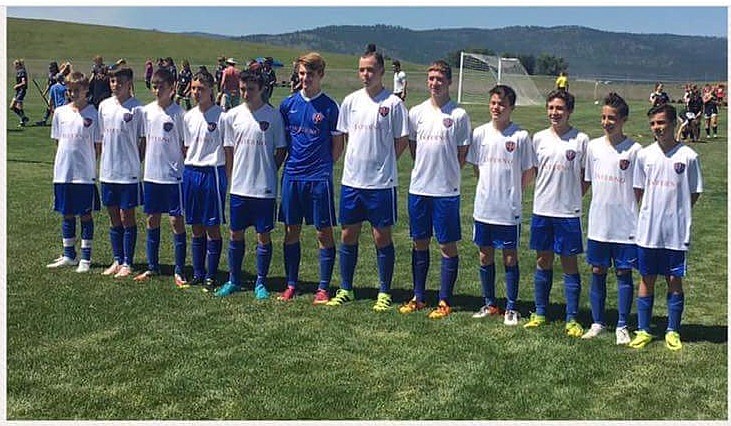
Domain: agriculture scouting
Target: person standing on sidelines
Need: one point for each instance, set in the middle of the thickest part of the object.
(255, 132)
(314, 144)
(399, 80)
(121, 128)
(183, 87)
(667, 182)
(439, 139)
(21, 88)
(205, 180)
(502, 156)
(230, 85)
(75, 128)
(611, 234)
(163, 174)
(377, 127)
(559, 153)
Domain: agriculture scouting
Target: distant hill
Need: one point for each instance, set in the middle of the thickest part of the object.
(589, 52)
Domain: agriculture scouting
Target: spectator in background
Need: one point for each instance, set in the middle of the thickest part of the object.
(21, 87)
(52, 73)
(184, 85)
(230, 85)
(710, 110)
(399, 80)
(148, 73)
(658, 96)
(720, 94)
(294, 80)
(99, 88)
(270, 78)
(562, 81)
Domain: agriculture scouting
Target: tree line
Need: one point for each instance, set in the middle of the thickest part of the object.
(544, 64)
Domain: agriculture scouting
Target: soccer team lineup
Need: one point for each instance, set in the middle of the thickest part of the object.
(212, 139)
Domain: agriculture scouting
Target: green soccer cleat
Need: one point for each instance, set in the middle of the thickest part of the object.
(574, 329)
(535, 320)
(672, 341)
(642, 338)
(342, 297)
(383, 303)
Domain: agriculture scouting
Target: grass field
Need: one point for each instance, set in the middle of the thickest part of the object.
(88, 347)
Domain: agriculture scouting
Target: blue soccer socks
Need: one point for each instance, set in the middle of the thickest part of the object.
(348, 261)
(116, 240)
(625, 292)
(598, 297)
(213, 257)
(235, 259)
(419, 272)
(198, 256)
(572, 292)
(676, 304)
(152, 246)
(543, 279)
(487, 280)
(263, 259)
(327, 263)
(292, 256)
(129, 242)
(87, 235)
(68, 234)
(644, 312)
(180, 247)
(386, 259)
(449, 269)
(512, 280)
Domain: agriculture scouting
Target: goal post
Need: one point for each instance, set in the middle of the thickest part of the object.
(479, 73)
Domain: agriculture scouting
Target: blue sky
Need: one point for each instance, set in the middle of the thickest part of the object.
(234, 21)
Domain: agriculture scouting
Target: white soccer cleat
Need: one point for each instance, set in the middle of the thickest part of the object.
(61, 262)
(511, 317)
(84, 266)
(112, 269)
(623, 337)
(593, 331)
(124, 271)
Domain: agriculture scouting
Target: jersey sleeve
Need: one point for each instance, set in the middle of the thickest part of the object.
(95, 129)
(583, 146)
(588, 168)
(695, 180)
(227, 125)
(473, 154)
(55, 131)
(638, 177)
(343, 117)
(100, 120)
(463, 132)
(333, 118)
(400, 123)
(413, 119)
(180, 124)
(280, 139)
(527, 157)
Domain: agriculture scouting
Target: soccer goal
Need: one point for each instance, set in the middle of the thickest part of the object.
(479, 73)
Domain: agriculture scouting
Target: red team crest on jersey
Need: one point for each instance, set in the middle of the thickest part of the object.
(127, 117)
(167, 126)
(318, 117)
(679, 168)
(212, 127)
(623, 164)
(87, 121)
(263, 125)
(570, 154)
(510, 146)
(448, 122)
(384, 111)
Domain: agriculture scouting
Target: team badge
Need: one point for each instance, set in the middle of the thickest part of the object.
(384, 111)
(570, 154)
(167, 126)
(510, 146)
(87, 121)
(318, 117)
(212, 127)
(127, 117)
(679, 168)
(263, 125)
(623, 164)
(448, 122)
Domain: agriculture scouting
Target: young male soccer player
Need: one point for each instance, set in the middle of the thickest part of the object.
(502, 156)
(667, 181)
(205, 180)
(439, 138)
(255, 132)
(556, 223)
(377, 127)
(56, 94)
(399, 80)
(21, 88)
(163, 193)
(310, 118)
(611, 235)
(121, 126)
(75, 128)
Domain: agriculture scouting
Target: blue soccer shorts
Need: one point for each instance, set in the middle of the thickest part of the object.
(163, 198)
(600, 253)
(75, 198)
(440, 214)
(250, 211)
(126, 196)
(562, 235)
(204, 193)
(312, 201)
(377, 206)
(503, 237)
(661, 262)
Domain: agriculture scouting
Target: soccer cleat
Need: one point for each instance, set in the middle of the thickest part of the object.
(442, 310)
(535, 320)
(321, 297)
(642, 338)
(181, 282)
(593, 331)
(622, 334)
(383, 303)
(342, 297)
(261, 292)
(199, 281)
(672, 341)
(411, 306)
(84, 266)
(574, 329)
(287, 295)
(488, 311)
(210, 285)
(227, 289)
(145, 276)
(124, 272)
(112, 269)
(62, 261)
(511, 317)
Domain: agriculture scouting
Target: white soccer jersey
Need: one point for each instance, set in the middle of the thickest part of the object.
(559, 160)
(164, 149)
(121, 127)
(613, 208)
(668, 180)
(372, 124)
(204, 134)
(399, 80)
(501, 158)
(438, 133)
(76, 133)
(255, 138)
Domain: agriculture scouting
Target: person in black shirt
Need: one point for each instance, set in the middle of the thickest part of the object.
(184, 81)
(21, 87)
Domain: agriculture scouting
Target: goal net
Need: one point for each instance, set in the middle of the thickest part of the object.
(479, 73)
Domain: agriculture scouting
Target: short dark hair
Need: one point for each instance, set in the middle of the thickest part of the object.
(163, 75)
(615, 101)
(564, 95)
(204, 77)
(442, 67)
(124, 72)
(396, 63)
(669, 110)
(247, 76)
(505, 92)
(371, 51)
